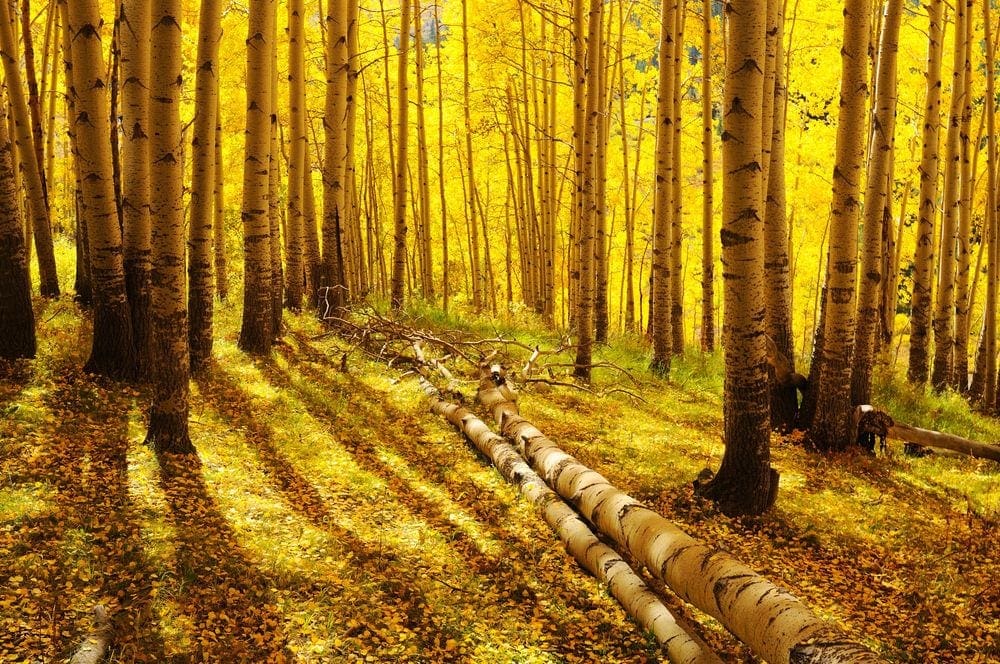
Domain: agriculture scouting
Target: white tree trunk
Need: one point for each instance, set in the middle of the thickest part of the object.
(680, 644)
(774, 623)
(886, 427)
(91, 651)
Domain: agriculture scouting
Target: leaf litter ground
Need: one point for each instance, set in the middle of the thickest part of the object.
(330, 518)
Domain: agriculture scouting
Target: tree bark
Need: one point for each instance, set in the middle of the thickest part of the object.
(660, 315)
(676, 182)
(17, 320)
(833, 384)
(32, 178)
(993, 274)
(201, 284)
(708, 184)
(943, 372)
(923, 261)
(877, 203)
(168, 417)
(745, 483)
(256, 334)
(400, 191)
(113, 351)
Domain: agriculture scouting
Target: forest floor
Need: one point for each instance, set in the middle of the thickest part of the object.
(330, 517)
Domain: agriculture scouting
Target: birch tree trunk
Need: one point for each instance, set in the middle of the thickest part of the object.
(877, 201)
(993, 274)
(17, 320)
(201, 286)
(168, 418)
(676, 182)
(923, 260)
(134, 38)
(335, 129)
(664, 204)
(31, 168)
(219, 222)
(708, 184)
(960, 380)
(113, 352)
(400, 191)
(256, 334)
(833, 384)
(942, 375)
(297, 148)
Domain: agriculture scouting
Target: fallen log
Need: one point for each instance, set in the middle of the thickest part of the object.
(92, 650)
(776, 625)
(682, 646)
(871, 422)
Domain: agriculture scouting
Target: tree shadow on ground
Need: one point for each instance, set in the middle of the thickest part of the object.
(89, 546)
(224, 595)
(394, 577)
(370, 414)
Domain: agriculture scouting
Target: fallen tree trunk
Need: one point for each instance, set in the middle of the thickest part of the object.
(871, 422)
(92, 650)
(776, 625)
(679, 642)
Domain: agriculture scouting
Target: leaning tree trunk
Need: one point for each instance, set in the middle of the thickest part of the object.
(833, 385)
(679, 641)
(944, 314)
(133, 41)
(31, 168)
(168, 417)
(876, 203)
(745, 483)
(17, 321)
(256, 334)
(113, 352)
(923, 260)
(776, 625)
(201, 287)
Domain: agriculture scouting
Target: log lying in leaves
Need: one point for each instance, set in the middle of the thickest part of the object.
(91, 651)
(680, 644)
(777, 626)
(871, 422)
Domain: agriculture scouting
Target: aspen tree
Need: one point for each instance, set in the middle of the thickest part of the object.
(219, 220)
(944, 313)
(423, 176)
(745, 483)
(993, 274)
(708, 184)
(585, 302)
(49, 87)
(17, 320)
(256, 334)
(923, 261)
(34, 99)
(601, 232)
(777, 276)
(677, 217)
(297, 148)
(660, 315)
(445, 276)
(877, 202)
(83, 282)
(827, 427)
(960, 380)
(579, 129)
(134, 42)
(201, 285)
(168, 418)
(477, 294)
(274, 194)
(399, 192)
(21, 134)
(335, 154)
(113, 352)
